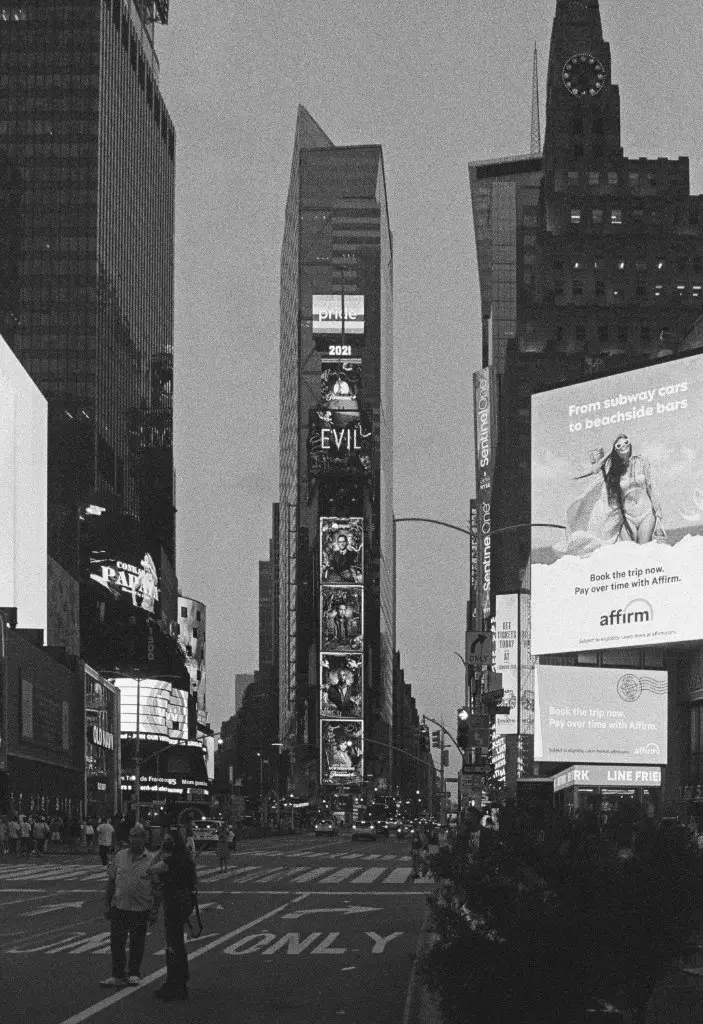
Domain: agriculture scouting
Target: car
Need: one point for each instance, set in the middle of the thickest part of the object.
(364, 830)
(206, 830)
(325, 828)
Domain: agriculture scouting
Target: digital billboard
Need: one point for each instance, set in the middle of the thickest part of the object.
(125, 581)
(600, 715)
(486, 428)
(341, 752)
(163, 710)
(339, 441)
(341, 619)
(341, 686)
(506, 660)
(337, 314)
(340, 385)
(342, 550)
(617, 467)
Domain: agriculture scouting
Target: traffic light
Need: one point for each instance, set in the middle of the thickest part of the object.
(424, 738)
(436, 738)
(462, 728)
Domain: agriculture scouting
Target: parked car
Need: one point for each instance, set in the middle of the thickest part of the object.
(325, 828)
(364, 830)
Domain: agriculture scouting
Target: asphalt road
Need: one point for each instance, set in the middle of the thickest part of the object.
(299, 929)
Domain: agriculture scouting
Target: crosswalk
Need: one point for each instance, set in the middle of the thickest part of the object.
(356, 869)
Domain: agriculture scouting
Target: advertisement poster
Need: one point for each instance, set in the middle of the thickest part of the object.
(125, 581)
(473, 565)
(163, 712)
(617, 467)
(527, 670)
(341, 619)
(339, 441)
(341, 689)
(342, 550)
(601, 715)
(506, 660)
(341, 752)
(340, 385)
(485, 425)
(338, 314)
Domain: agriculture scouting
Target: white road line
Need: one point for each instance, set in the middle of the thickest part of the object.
(315, 873)
(340, 876)
(397, 877)
(124, 993)
(370, 875)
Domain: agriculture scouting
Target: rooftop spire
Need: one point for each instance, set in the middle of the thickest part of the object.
(536, 133)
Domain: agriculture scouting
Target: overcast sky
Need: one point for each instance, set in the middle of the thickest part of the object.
(436, 85)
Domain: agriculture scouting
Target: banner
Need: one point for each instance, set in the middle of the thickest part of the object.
(617, 464)
(473, 566)
(600, 775)
(342, 550)
(600, 715)
(486, 422)
(341, 686)
(506, 660)
(341, 752)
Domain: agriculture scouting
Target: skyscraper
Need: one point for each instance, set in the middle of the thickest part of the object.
(337, 568)
(87, 147)
(600, 272)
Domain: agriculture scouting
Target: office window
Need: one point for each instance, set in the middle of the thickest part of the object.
(195, 632)
(613, 177)
(197, 616)
(575, 216)
(593, 178)
(634, 179)
(597, 216)
(184, 612)
(616, 216)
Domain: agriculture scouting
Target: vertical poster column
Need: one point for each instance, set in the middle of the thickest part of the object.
(486, 419)
(341, 650)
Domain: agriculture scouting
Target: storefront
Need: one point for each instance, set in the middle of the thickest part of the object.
(603, 789)
(102, 747)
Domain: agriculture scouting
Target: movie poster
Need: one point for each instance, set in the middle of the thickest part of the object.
(340, 385)
(341, 686)
(342, 550)
(341, 752)
(617, 467)
(341, 619)
(339, 441)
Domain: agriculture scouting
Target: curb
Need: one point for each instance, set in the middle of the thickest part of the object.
(421, 1005)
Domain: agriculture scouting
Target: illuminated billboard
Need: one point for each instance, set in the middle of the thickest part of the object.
(342, 550)
(339, 441)
(340, 385)
(127, 581)
(600, 715)
(163, 710)
(506, 660)
(486, 428)
(341, 619)
(337, 314)
(617, 465)
(341, 686)
(341, 752)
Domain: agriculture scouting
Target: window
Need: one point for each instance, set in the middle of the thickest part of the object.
(573, 177)
(593, 178)
(613, 178)
(195, 632)
(634, 179)
(558, 264)
(621, 265)
(616, 216)
(575, 216)
(184, 612)
(641, 290)
(197, 616)
(597, 216)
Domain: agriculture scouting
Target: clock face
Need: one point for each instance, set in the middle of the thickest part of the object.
(583, 75)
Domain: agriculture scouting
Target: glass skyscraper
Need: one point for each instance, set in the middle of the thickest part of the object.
(87, 153)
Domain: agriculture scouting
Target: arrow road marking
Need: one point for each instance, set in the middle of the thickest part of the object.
(343, 911)
(53, 906)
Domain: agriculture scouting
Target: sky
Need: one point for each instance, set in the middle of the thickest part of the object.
(436, 85)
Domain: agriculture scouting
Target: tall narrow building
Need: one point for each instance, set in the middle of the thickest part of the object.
(87, 153)
(591, 264)
(337, 569)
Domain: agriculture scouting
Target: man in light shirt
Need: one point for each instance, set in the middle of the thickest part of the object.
(130, 906)
(105, 834)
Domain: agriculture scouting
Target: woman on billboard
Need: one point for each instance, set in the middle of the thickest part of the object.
(622, 506)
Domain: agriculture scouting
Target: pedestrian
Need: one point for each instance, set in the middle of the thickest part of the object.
(418, 853)
(13, 835)
(122, 831)
(40, 832)
(89, 833)
(130, 906)
(174, 866)
(105, 835)
(55, 828)
(223, 841)
(25, 836)
(190, 841)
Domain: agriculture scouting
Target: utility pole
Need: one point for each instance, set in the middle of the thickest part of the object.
(442, 798)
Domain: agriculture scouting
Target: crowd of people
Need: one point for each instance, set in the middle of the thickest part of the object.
(36, 834)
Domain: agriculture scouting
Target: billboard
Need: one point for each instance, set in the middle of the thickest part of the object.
(137, 586)
(342, 550)
(486, 427)
(617, 466)
(341, 619)
(527, 669)
(341, 752)
(339, 441)
(337, 314)
(340, 385)
(163, 711)
(601, 775)
(600, 715)
(506, 660)
(341, 686)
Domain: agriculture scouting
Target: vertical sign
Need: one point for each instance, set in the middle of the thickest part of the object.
(526, 670)
(485, 413)
(27, 698)
(473, 566)
(506, 660)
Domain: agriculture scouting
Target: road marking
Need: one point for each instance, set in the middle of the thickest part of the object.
(53, 906)
(23, 899)
(326, 948)
(292, 943)
(315, 873)
(368, 876)
(396, 876)
(91, 1011)
(342, 911)
(380, 941)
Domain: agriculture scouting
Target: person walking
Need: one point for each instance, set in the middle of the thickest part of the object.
(13, 835)
(223, 841)
(89, 832)
(40, 833)
(190, 841)
(174, 867)
(418, 853)
(130, 906)
(105, 833)
(25, 836)
(55, 829)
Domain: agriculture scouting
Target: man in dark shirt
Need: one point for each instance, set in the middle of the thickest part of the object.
(175, 869)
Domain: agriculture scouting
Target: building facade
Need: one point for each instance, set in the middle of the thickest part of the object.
(591, 263)
(87, 149)
(337, 570)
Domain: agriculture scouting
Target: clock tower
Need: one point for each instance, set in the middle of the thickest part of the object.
(583, 105)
